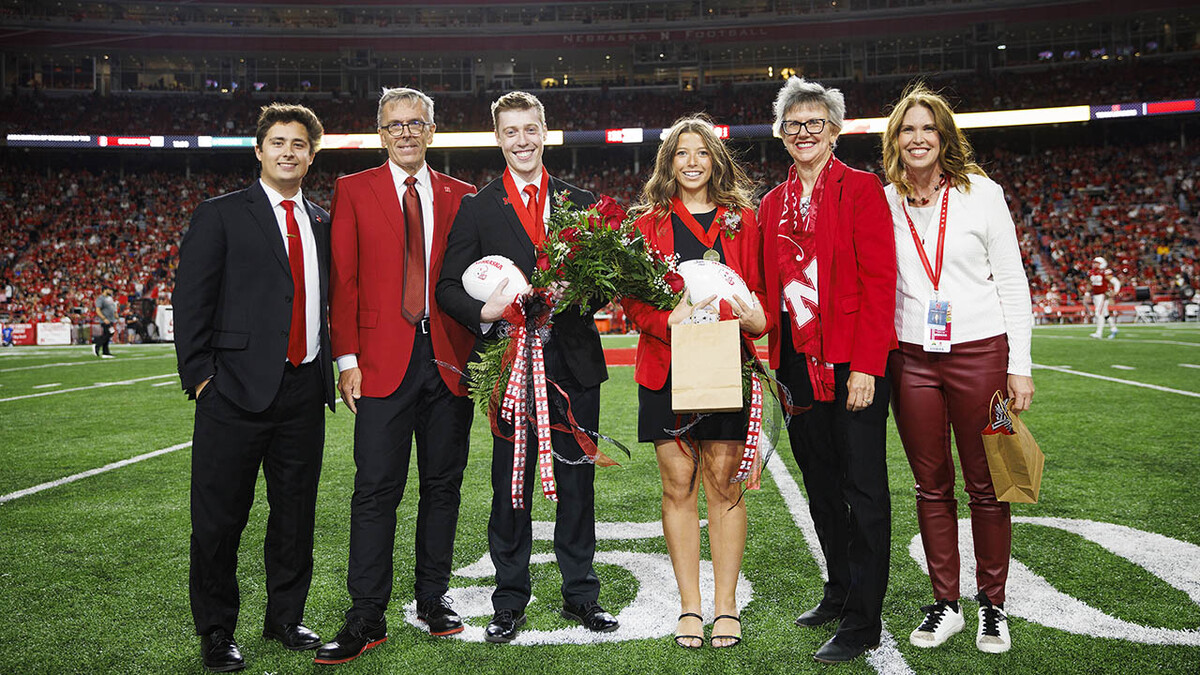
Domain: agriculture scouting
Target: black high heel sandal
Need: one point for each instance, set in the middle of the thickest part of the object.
(737, 639)
(678, 638)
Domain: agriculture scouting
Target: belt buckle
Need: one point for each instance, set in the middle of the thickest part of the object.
(424, 326)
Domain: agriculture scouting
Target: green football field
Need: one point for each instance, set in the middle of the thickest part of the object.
(1106, 572)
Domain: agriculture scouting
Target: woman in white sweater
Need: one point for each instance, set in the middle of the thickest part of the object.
(964, 319)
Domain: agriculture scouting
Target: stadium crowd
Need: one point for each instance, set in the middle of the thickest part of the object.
(1099, 82)
(69, 233)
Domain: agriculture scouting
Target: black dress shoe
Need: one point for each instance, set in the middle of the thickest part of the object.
(818, 616)
(592, 616)
(293, 636)
(836, 652)
(503, 626)
(357, 636)
(436, 614)
(220, 652)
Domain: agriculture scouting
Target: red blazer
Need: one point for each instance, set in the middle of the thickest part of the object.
(856, 270)
(742, 253)
(368, 276)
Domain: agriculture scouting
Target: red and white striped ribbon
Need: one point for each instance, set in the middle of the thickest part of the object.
(746, 470)
(512, 410)
(541, 401)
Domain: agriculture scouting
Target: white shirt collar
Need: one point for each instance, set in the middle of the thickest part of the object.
(398, 174)
(276, 199)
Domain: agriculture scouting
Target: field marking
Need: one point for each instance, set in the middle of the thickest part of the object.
(887, 659)
(1106, 378)
(81, 363)
(47, 386)
(1125, 340)
(91, 472)
(98, 385)
(1121, 367)
(1189, 365)
(162, 384)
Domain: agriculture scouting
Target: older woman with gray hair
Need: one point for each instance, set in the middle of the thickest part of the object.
(829, 258)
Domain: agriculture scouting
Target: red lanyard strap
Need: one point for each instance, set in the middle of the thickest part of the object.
(709, 237)
(533, 224)
(935, 275)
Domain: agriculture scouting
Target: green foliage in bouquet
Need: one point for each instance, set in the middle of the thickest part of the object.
(487, 371)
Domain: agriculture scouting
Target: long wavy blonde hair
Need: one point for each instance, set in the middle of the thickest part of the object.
(955, 156)
(729, 185)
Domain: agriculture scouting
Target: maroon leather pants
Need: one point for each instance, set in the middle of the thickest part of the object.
(932, 394)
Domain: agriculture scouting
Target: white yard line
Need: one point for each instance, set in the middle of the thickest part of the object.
(1123, 340)
(98, 385)
(90, 362)
(1155, 387)
(91, 472)
(162, 384)
(1189, 365)
(47, 386)
(1121, 367)
(887, 659)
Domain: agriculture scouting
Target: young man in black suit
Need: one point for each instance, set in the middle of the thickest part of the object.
(252, 343)
(499, 221)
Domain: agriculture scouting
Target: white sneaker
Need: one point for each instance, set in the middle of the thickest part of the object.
(942, 620)
(992, 635)
(107, 356)
(1113, 334)
(1096, 335)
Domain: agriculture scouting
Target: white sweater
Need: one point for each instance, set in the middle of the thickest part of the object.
(982, 274)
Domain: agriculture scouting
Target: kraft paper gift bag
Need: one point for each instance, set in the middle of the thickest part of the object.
(1014, 458)
(706, 367)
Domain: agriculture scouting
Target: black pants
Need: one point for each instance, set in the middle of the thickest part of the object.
(229, 444)
(510, 531)
(842, 456)
(383, 437)
(103, 339)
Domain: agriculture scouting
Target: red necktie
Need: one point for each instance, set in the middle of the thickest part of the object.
(531, 205)
(298, 335)
(413, 306)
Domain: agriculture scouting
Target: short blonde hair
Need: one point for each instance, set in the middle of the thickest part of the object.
(517, 100)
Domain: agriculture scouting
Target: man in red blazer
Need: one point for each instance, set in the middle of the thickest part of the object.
(388, 238)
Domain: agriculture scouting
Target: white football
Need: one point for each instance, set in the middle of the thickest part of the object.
(709, 277)
(485, 274)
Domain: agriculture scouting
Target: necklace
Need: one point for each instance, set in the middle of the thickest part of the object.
(924, 201)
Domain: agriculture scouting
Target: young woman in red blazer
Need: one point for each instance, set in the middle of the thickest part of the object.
(697, 205)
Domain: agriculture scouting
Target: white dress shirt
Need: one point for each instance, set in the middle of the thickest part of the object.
(982, 274)
(312, 286)
(425, 193)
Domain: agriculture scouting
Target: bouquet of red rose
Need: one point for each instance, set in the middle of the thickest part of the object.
(596, 254)
(589, 257)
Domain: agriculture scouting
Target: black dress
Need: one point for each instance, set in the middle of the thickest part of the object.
(655, 416)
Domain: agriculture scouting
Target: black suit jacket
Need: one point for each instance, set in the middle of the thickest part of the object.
(486, 225)
(233, 299)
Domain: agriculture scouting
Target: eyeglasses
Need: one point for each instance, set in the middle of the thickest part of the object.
(792, 127)
(397, 129)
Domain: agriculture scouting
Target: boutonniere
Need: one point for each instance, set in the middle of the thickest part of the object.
(731, 222)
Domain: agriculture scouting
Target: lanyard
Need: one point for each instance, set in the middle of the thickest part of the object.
(708, 238)
(934, 275)
(532, 224)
